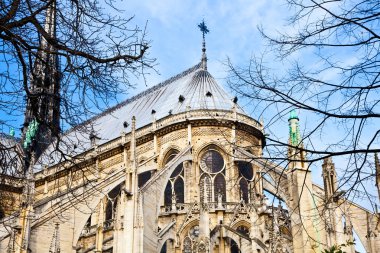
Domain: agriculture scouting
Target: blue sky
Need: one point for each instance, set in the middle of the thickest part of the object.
(176, 40)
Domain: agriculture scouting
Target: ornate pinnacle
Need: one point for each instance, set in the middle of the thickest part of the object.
(294, 132)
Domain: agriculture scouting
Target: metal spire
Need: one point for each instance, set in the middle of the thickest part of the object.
(202, 26)
(294, 131)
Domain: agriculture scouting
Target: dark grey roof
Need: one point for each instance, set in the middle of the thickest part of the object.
(192, 89)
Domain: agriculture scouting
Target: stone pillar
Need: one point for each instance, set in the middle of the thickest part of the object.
(99, 229)
(189, 134)
(302, 211)
(130, 237)
(371, 236)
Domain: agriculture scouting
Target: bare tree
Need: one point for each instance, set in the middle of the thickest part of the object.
(61, 62)
(68, 53)
(96, 53)
(328, 70)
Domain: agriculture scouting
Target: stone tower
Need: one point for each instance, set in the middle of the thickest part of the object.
(300, 190)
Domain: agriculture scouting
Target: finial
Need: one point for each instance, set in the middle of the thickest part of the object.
(293, 114)
(202, 26)
(12, 132)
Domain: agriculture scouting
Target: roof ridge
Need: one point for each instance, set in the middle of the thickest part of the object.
(135, 97)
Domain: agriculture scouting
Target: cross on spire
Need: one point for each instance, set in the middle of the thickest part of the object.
(202, 26)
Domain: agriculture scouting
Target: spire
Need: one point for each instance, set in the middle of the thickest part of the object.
(43, 105)
(294, 131)
(296, 155)
(329, 178)
(202, 26)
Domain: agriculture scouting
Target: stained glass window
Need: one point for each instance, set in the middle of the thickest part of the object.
(205, 188)
(179, 190)
(220, 187)
(187, 245)
(212, 162)
(245, 169)
(244, 190)
(168, 194)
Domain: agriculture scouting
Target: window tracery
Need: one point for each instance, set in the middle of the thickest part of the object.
(205, 188)
(175, 188)
(212, 181)
(189, 242)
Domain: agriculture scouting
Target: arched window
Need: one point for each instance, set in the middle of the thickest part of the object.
(246, 180)
(175, 187)
(205, 188)
(168, 194)
(245, 170)
(220, 187)
(170, 156)
(187, 245)
(109, 212)
(244, 190)
(179, 190)
(88, 222)
(212, 181)
(243, 230)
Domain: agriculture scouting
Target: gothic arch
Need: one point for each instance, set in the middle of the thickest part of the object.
(186, 227)
(168, 236)
(239, 223)
(210, 145)
(166, 153)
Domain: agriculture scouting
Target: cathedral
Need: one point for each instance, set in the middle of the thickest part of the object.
(177, 168)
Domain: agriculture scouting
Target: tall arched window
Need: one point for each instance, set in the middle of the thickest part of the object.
(212, 181)
(187, 245)
(168, 194)
(178, 189)
(191, 238)
(220, 187)
(175, 188)
(109, 211)
(205, 188)
(244, 195)
(246, 180)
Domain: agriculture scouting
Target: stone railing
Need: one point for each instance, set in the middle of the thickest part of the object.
(185, 207)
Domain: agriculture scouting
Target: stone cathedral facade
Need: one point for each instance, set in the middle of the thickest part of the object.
(177, 168)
